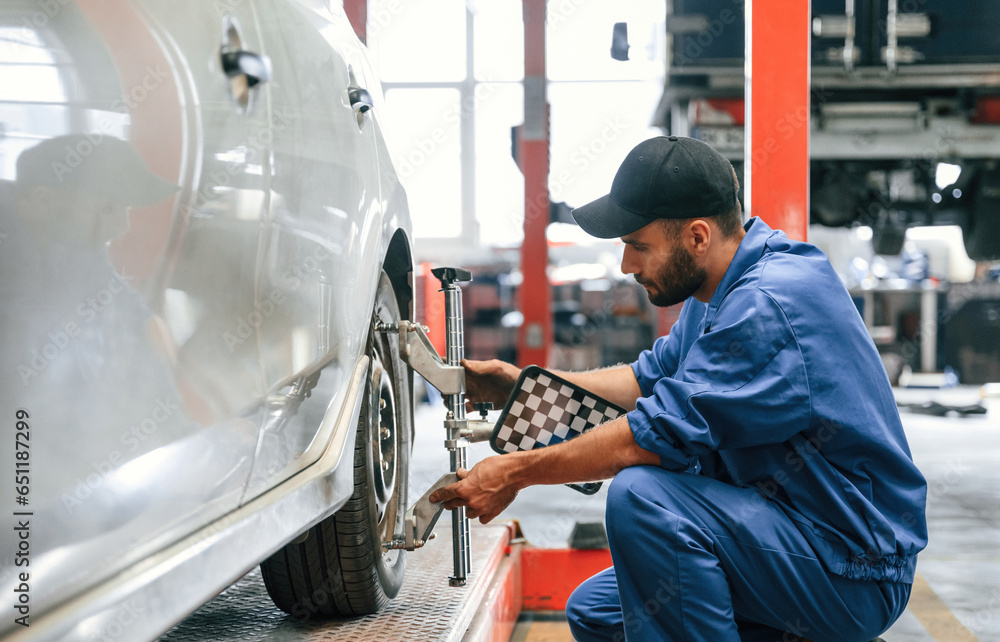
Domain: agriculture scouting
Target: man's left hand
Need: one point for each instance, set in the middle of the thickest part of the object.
(484, 491)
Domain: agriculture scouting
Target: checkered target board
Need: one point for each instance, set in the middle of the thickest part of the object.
(544, 410)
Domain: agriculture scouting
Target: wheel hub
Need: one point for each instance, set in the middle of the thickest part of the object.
(383, 433)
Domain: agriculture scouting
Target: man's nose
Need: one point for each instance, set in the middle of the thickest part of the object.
(628, 264)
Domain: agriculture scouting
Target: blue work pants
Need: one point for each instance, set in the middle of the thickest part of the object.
(699, 559)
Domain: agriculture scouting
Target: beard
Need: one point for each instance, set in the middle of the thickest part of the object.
(677, 279)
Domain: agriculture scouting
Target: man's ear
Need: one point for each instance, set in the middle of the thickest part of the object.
(698, 237)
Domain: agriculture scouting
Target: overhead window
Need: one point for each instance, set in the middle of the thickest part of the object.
(452, 73)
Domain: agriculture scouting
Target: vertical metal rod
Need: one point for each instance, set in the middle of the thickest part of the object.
(455, 343)
(928, 330)
(892, 36)
(849, 37)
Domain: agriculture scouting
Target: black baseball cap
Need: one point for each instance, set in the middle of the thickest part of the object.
(663, 177)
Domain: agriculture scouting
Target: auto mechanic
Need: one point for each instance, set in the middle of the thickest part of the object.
(763, 485)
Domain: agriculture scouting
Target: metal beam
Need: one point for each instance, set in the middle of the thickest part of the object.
(535, 295)
(776, 183)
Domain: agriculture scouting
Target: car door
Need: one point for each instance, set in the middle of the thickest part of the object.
(143, 418)
(321, 249)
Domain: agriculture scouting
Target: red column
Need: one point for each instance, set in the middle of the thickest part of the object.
(431, 313)
(776, 174)
(357, 13)
(535, 296)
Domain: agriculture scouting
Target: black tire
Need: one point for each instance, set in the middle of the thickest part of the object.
(340, 569)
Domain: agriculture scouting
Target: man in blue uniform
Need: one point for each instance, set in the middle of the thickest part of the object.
(763, 485)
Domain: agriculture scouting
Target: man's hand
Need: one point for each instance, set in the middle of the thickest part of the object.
(490, 381)
(493, 483)
(485, 491)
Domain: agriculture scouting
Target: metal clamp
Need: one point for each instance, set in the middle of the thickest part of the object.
(839, 26)
(903, 25)
(416, 350)
(420, 519)
(471, 430)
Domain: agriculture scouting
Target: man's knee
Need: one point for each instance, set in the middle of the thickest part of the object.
(593, 609)
(628, 484)
(630, 491)
(593, 593)
(577, 605)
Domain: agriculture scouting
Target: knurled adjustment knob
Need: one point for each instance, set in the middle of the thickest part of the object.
(483, 407)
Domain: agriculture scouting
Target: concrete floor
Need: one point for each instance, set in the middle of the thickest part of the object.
(957, 595)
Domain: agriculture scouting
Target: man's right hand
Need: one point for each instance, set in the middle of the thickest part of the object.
(491, 381)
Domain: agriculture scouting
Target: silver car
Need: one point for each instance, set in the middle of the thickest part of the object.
(199, 226)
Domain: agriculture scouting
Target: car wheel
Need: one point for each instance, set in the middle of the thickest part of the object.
(340, 568)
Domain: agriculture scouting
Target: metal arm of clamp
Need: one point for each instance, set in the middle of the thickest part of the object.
(417, 350)
(472, 430)
(420, 519)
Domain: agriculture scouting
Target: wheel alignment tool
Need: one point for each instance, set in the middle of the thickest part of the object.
(448, 376)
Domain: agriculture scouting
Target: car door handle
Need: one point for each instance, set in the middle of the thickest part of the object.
(361, 100)
(256, 67)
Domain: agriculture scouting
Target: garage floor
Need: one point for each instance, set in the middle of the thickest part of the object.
(957, 593)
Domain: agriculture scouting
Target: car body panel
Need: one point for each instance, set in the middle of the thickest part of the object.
(113, 426)
(148, 598)
(322, 238)
(155, 419)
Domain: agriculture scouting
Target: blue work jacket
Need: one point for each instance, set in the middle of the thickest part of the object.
(775, 384)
